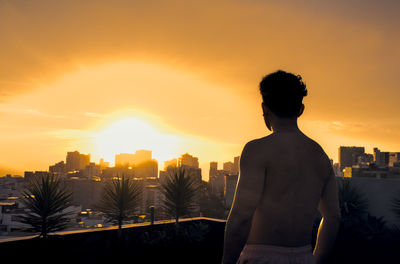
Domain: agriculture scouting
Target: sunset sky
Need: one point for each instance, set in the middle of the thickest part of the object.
(104, 77)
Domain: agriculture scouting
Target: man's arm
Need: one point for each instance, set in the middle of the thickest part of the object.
(330, 211)
(248, 193)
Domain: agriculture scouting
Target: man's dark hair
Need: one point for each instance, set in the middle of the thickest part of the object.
(283, 93)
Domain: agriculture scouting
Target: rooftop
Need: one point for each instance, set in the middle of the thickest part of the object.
(196, 240)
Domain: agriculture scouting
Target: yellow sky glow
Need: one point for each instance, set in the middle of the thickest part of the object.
(112, 76)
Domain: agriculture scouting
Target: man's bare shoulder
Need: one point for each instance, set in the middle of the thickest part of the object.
(259, 143)
(314, 144)
(272, 143)
(258, 149)
(273, 139)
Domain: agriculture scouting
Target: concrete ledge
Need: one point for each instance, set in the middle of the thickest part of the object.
(197, 240)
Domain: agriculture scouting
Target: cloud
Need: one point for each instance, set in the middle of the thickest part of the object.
(340, 47)
(29, 111)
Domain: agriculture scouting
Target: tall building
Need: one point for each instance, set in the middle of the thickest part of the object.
(213, 169)
(124, 160)
(77, 161)
(230, 188)
(217, 183)
(381, 159)
(236, 165)
(188, 161)
(348, 156)
(146, 169)
(141, 156)
(170, 163)
(228, 166)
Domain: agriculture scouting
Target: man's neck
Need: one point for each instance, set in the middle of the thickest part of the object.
(285, 125)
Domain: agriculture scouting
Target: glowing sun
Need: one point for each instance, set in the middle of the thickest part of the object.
(131, 134)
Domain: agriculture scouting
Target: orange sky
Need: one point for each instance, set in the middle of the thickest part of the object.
(69, 70)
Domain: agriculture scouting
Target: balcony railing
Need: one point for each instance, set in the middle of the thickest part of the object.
(194, 240)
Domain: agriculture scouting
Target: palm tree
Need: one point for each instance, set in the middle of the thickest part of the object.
(179, 190)
(46, 201)
(353, 205)
(120, 199)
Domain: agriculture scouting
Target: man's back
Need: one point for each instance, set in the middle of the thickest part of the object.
(285, 178)
(296, 169)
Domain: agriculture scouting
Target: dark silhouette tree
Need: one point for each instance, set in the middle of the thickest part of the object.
(46, 200)
(179, 190)
(353, 205)
(395, 206)
(119, 200)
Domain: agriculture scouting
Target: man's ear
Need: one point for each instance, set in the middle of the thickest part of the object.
(264, 108)
(301, 110)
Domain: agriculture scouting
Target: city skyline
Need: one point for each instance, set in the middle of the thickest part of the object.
(76, 161)
(189, 79)
(348, 156)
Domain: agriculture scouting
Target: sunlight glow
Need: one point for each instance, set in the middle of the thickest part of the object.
(131, 134)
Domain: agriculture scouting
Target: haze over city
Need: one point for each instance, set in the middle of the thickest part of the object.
(177, 77)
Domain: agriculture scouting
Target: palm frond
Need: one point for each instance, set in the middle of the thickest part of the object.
(46, 200)
(352, 203)
(120, 199)
(179, 190)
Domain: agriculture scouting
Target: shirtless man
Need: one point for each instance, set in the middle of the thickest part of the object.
(285, 178)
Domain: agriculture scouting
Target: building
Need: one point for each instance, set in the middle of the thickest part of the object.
(170, 163)
(146, 169)
(141, 156)
(113, 172)
(213, 169)
(30, 175)
(230, 188)
(394, 159)
(193, 172)
(366, 157)
(381, 159)
(187, 160)
(58, 168)
(104, 164)
(130, 160)
(152, 196)
(92, 171)
(124, 160)
(85, 192)
(228, 166)
(217, 183)
(371, 172)
(196, 174)
(236, 164)
(166, 173)
(77, 161)
(348, 156)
